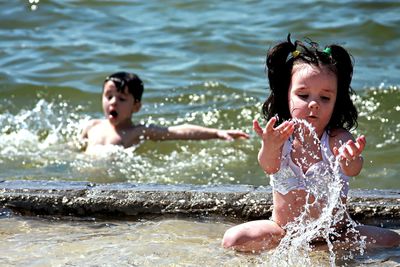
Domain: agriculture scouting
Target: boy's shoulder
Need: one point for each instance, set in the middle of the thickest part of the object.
(92, 123)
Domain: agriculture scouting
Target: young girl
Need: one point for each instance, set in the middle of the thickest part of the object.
(308, 86)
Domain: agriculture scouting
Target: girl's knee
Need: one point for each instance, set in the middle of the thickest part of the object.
(230, 238)
(254, 235)
(379, 237)
(392, 240)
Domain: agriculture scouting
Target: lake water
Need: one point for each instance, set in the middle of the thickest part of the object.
(202, 62)
(145, 242)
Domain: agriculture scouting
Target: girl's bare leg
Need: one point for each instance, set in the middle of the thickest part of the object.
(375, 237)
(379, 237)
(253, 236)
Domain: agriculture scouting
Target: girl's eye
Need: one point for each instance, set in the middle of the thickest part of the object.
(122, 99)
(303, 96)
(325, 98)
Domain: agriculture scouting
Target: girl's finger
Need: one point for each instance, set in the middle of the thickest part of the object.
(335, 151)
(270, 124)
(352, 148)
(289, 128)
(361, 142)
(346, 153)
(257, 128)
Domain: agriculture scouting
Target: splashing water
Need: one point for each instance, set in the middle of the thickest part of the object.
(29, 131)
(41, 141)
(324, 192)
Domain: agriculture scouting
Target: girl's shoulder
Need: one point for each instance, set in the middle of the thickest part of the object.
(338, 132)
(339, 136)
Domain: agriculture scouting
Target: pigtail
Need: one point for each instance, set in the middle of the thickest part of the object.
(279, 70)
(343, 62)
(345, 113)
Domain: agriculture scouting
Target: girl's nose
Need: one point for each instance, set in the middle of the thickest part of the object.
(313, 104)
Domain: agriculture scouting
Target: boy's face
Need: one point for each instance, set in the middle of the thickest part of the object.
(118, 106)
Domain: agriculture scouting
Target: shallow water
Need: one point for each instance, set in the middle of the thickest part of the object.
(202, 62)
(145, 242)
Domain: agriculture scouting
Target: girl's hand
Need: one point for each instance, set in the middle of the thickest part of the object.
(274, 137)
(269, 156)
(350, 150)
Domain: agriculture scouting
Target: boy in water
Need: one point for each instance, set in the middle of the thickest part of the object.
(122, 93)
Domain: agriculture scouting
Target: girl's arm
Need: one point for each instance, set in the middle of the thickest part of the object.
(269, 156)
(348, 152)
(191, 132)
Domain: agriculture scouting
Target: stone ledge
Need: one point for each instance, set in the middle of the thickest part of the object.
(126, 199)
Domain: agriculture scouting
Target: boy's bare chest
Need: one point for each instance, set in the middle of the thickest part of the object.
(109, 136)
(101, 136)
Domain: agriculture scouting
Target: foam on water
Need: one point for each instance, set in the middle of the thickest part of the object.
(42, 142)
(33, 131)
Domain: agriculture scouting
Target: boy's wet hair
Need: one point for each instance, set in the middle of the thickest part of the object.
(279, 66)
(131, 80)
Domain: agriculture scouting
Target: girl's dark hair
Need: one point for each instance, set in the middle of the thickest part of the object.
(279, 65)
(122, 79)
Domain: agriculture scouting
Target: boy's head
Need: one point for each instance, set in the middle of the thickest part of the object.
(131, 81)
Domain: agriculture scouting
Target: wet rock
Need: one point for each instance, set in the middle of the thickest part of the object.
(126, 199)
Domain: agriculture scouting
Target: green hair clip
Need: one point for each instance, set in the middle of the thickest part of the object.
(295, 53)
(327, 51)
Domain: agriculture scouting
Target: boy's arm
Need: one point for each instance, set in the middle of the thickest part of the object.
(190, 132)
(269, 156)
(84, 133)
(83, 136)
(348, 151)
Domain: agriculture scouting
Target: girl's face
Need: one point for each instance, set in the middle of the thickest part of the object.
(312, 95)
(118, 106)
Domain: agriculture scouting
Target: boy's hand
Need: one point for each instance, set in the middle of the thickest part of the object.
(350, 150)
(274, 137)
(231, 134)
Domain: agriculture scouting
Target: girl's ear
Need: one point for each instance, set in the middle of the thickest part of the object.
(136, 106)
